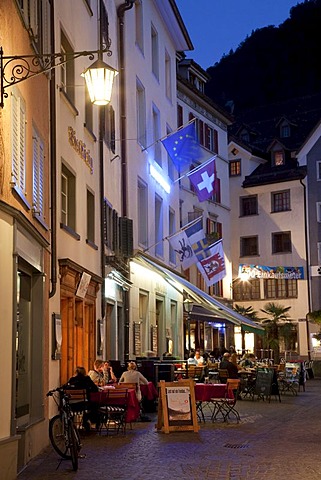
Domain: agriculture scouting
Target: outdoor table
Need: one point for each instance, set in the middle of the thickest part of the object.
(149, 391)
(204, 392)
(133, 408)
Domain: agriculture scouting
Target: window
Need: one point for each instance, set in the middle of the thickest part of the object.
(38, 175)
(168, 76)
(171, 230)
(318, 171)
(142, 208)
(249, 246)
(248, 290)
(170, 164)
(318, 205)
(109, 127)
(196, 213)
(281, 201)
(280, 288)
(248, 206)
(139, 25)
(155, 56)
(141, 114)
(245, 136)
(285, 131)
(213, 230)
(180, 117)
(319, 252)
(217, 190)
(90, 217)
(111, 230)
(68, 198)
(278, 158)
(159, 247)
(18, 145)
(67, 70)
(104, 27)
(156, 136)
(281, 242)
(235, 168)
(35, 14)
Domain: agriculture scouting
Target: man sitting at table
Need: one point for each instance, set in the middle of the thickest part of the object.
(231, 368)
(102, 374)
(134, 376)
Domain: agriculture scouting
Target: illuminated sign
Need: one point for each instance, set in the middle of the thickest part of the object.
(159, 179)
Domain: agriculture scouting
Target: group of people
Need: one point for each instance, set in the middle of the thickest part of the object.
(101, 375)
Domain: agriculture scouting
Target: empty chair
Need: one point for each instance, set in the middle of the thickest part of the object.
(112, 410)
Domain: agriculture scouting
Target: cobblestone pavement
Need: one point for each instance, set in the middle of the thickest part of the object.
(273, 440)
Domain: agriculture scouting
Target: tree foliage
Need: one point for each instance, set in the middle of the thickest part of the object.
(273, 63)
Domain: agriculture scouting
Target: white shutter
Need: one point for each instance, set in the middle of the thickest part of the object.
(38, 173)
(18, 141)
(46, 44)
(33, 18)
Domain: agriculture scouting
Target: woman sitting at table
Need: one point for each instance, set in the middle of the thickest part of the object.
(134, 376)
(81, 381)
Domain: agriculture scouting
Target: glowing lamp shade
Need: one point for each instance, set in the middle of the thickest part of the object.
(99, 79)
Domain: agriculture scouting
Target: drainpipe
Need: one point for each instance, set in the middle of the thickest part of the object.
(53, 164)
(123, 147)
(307, 256)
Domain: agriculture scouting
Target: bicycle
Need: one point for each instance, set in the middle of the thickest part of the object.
(63, 435)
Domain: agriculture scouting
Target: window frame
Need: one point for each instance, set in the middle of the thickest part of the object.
(252, 204)
(277, 237)
(284, 202)
(246, 252)
(235, 168)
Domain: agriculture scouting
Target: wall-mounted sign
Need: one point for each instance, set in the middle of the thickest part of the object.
(262, 271)
(83, 285)
(80, 147)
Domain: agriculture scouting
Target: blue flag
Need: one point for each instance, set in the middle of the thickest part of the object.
(183, 147)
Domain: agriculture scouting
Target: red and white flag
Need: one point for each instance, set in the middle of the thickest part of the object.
(213, 266)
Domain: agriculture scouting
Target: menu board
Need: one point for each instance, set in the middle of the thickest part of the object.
(177, 406)
(263, 384)
(137, 339)
(154, 337)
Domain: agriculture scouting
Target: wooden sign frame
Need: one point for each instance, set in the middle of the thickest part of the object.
(181, 394)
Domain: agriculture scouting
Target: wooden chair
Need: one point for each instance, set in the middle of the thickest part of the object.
(112, 410)
(222, 375)
(226, 405)
(78, 402)
(195, 372)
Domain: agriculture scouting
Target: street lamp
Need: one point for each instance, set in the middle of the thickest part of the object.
(188, 307)
(99, 76)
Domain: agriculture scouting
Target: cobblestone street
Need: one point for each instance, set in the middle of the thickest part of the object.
(273, 440)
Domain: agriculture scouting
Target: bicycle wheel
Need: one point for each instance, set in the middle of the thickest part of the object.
(73, 444)
(57, 436)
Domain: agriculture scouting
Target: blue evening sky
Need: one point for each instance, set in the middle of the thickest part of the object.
(216, 26)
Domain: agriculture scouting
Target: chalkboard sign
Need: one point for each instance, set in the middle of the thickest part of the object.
(263, 384)
(154, 337)
(266, 384)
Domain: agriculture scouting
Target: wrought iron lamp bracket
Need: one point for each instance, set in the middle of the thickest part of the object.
(17, 68)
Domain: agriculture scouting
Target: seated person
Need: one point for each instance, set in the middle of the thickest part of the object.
(191, 359)
(102, 374)
(229, 366)
(81, 381)
(133, 376)
(198, 357)
(234, 360)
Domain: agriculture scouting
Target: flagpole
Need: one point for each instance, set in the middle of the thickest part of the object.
(169, 134)
(173, 234)
(196, 168)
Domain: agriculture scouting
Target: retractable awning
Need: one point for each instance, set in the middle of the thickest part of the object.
(218, 309)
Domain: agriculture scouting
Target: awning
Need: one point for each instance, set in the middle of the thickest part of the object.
(217, 308)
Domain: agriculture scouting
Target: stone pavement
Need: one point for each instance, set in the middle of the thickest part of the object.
(273, 440)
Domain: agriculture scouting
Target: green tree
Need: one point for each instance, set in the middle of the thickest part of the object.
(246, 311)
(276, 325)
